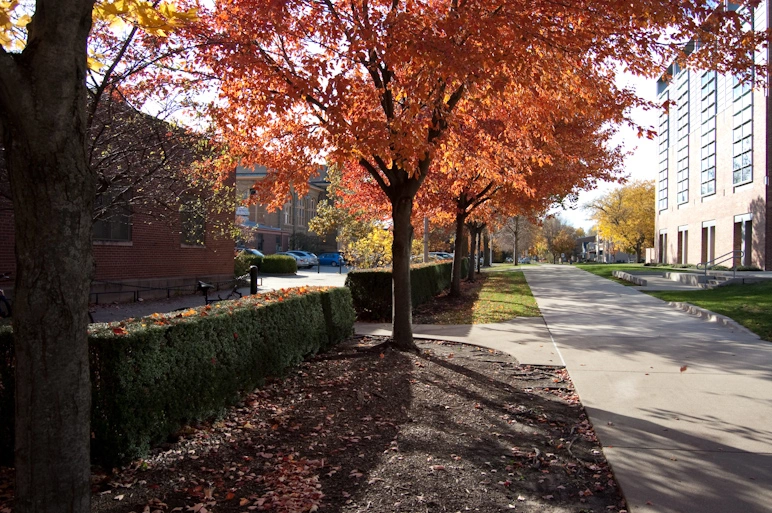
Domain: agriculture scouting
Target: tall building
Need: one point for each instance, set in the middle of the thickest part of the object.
(713, 191)
(273, 231)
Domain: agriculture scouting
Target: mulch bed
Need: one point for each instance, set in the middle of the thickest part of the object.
(455, 428)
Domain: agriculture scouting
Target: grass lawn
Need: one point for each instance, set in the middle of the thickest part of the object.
(606, 270)
(749, 305)
(493, 297)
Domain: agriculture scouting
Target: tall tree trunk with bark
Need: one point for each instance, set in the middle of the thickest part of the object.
(516, 233)
(42, 116)
(487, 248)
(402, 315)
(475, 229)
(455, 283)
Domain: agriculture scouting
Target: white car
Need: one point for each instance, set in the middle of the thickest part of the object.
(300, 260)
(313, 259)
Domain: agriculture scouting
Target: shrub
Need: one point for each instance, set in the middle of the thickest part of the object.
(371, 288)
(747, 268)
(153, 375)
(243, 262)
(279, 264)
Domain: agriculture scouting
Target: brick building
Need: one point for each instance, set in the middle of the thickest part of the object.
(271, 232)
(713, 191)
(154, 234)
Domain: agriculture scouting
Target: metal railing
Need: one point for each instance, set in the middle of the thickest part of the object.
(734, 256)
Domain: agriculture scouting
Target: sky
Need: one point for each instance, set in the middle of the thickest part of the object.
(640, 165)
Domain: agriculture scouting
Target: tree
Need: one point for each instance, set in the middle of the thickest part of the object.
(381, 84)
(626, 215)
(518, 232)
(563, 244)
(43, 121)
(559, 237)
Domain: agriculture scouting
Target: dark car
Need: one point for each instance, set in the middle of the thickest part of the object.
(333, 259)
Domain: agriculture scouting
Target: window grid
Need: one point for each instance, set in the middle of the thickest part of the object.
(664, 142)
(708, 137)
(682, 135)
(742, 147)
(114, 224)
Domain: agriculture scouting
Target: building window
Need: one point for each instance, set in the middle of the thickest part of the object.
(193, 222)
(742, 135)
(286, 210)
(682, 138)
(664, 143)
(112, 218)
(708, 134)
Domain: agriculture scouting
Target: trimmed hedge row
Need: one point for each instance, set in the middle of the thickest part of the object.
(279, 264)
(152, 376)
(272, 264)
(371, 288)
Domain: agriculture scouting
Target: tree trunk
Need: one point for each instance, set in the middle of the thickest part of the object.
(487, 249)
(472, 252)
(402, 304)
(477, 259)
(455, 284)
(42, 114)
(516, 256)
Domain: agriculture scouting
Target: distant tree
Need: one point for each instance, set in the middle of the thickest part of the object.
(625, 216)
(563, 244)
(518, 233)
(559, 237)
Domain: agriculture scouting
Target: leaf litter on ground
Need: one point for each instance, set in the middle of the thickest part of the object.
(451, 428)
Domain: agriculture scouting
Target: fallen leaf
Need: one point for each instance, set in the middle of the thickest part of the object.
(683, 368)
(118, 498)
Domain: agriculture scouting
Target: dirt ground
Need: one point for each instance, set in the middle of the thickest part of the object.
(456, 428)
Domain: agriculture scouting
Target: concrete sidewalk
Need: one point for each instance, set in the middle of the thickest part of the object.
(526, 339)
(682, 406)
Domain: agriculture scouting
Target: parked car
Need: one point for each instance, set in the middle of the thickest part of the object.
(524, 260)
(440, 255)
(300, 260)
(333, 259)
(310, 256)
(253, 251)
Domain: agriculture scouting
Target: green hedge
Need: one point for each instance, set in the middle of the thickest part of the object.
(279, 264)
(371, 288)
(243, 262)
(170, 370)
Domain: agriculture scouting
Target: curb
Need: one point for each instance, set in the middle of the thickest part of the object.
(711, 317)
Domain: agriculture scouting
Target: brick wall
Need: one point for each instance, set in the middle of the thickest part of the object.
(154, 258)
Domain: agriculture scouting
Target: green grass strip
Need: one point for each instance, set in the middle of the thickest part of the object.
(749, 305)
(504, 296)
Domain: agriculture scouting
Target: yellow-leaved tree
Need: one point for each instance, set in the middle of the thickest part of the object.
(625, 216)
